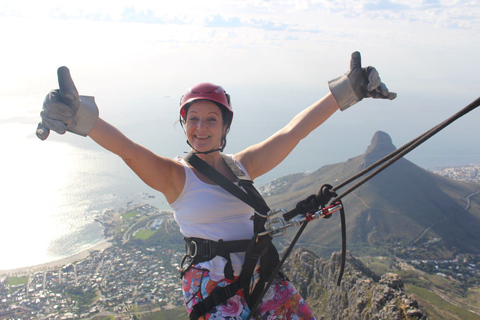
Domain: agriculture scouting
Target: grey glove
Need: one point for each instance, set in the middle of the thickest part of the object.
(357, 84)
(64, 110)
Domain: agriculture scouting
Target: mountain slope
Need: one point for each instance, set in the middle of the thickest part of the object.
(404, 205)
(361, 295)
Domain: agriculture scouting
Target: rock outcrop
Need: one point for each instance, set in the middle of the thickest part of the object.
(361, 295)
(380, 146)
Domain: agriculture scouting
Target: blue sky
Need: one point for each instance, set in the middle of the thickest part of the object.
(188, 37)
(274, 58)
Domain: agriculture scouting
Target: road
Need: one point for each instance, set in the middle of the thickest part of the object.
(467, 206)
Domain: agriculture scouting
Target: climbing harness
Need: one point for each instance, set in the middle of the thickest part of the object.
(259, 247)
(268, 224)
(199, 250)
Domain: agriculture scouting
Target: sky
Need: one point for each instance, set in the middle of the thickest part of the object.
(160, 44)
(273, 57)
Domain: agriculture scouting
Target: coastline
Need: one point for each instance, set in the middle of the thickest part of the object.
(100, 246)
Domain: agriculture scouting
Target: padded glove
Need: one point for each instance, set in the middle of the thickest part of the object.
(64, 110)
(357, 84)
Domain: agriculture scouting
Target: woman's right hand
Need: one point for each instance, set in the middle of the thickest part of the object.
(64, 110)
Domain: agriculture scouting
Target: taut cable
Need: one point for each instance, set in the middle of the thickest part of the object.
(402, 151)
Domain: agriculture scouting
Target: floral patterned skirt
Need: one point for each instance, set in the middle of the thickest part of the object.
(282, 301)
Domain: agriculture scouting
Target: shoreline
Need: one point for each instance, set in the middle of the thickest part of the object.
(100, 246)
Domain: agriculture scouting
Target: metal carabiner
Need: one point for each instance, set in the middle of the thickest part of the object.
(189, 252)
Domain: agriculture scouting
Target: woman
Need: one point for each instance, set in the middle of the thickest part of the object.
(204, 211)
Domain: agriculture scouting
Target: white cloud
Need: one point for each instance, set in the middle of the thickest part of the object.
(273, 57)
(190, 38)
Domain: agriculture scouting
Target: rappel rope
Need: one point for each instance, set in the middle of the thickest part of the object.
(314, 206)
(400, 152)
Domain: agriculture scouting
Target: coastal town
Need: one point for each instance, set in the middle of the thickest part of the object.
(134, 274)
(468, 173)
(125, 278)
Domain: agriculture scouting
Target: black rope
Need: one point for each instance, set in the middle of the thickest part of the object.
(343, 225)
(277, 269)
(399, 153)
(309, 205)
(378, 162)
(312, 202)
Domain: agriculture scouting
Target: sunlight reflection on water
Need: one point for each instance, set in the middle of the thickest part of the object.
(52, 193)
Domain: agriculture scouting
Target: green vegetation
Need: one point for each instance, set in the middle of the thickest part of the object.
(142, 222)
(130, 215)
(454, 288)
(437, 307)
(413, 277)
(169, 235)
(15, 281)
(442, 298)
(473, 297)
(144, 234)
(170, 238)
(376, 264)
(171, 314)
(84, 298)
(140, 228)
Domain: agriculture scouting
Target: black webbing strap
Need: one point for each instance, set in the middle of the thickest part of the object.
(259, 247)
(228, 185)
(217, 297)
(220, 295)
(200, 250)
(256, 200)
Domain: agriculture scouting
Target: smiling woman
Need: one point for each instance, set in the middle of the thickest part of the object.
(206, 214)
(204, 126)
(130, 50)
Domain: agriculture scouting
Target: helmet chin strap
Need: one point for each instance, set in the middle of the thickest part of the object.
(224, 143)
(204, 152)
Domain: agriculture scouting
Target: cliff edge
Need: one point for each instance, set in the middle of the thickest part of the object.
(361, 295)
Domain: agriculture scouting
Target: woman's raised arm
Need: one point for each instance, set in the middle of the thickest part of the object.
(160, 173)
(345, 91)
(64, 110)
(266, 155)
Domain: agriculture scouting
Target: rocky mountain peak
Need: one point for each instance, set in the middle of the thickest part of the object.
(380, 146)
(361, 295)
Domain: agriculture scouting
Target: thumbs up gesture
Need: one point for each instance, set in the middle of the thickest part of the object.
(64, 110)
(357, 84)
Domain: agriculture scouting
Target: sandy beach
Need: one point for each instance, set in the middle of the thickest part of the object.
(60, 262)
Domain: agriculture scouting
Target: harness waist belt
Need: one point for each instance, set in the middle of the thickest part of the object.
(201, 250)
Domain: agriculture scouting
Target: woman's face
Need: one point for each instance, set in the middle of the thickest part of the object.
(204, 125)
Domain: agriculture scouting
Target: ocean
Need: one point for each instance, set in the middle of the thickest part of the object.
(53, 190)
(52, 193)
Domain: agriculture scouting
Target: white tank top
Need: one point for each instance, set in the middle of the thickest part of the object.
(208, 211)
